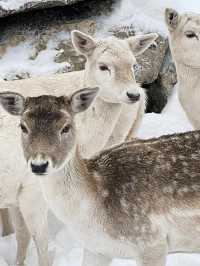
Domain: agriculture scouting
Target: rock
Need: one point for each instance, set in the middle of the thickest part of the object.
(156, 97)
(161, 88)
(150, 62)
(8, 7)
(167, 76)
(155, 69)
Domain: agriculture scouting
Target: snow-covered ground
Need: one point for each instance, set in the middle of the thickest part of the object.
(148, 15)
(14, 4)
(18, 59)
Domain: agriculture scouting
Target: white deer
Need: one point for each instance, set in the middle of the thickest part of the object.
(138, 200)
(116, 111)
(185, 45)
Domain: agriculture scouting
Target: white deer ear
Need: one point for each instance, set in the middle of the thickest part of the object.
(13, 103)
(82, 99)
(82, 42)
(172, 18)
(140, 43)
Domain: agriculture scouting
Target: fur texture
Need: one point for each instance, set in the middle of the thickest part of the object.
(137, 200)
(184, 42)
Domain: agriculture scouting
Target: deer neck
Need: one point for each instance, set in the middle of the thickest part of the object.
(188, 81)
(102, 116)
(70, 189)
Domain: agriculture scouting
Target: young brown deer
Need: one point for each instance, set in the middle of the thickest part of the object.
(137, 200)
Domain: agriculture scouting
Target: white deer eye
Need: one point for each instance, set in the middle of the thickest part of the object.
(191, 34)
(104, 67)
(24, 128)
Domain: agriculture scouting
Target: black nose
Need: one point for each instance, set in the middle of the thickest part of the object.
(39, 169)
(133, 97)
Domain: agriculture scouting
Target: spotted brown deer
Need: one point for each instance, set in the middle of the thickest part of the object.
(139, 200)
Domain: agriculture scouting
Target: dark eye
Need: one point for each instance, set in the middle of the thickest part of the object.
(191, 34)
(24, 129)
(104, 68)
(66, 129)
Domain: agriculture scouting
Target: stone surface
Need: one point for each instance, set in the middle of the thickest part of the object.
(9, 7)
(159, 90)
(155, 69)
(167, 76)
(150, 62)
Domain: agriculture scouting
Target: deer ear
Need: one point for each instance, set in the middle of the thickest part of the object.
(172, 18)
(82, 99)
(140, 43)
(13, 103)
(83, 43)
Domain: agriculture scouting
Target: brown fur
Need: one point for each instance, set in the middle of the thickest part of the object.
(148, 180)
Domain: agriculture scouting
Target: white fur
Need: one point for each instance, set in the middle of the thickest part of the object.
(186, 53)
(110, 122)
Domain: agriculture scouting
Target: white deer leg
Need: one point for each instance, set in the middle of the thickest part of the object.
(22, 235)
(153, 256)
(90, 259)
(34, 210)
(6, 222)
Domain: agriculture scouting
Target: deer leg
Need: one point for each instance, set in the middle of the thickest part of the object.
(153, 256)
(6, 221)
(34, 210)
(22, 235)
(90, 259)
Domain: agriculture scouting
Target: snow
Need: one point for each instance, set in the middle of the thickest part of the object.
(13, 4)
(148, 16)
(18, 59)
(171, 120)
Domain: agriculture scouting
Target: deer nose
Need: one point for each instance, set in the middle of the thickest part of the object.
(39, 169)
(133, 97)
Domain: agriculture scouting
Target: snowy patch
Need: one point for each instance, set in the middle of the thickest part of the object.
(148, 15)
(18, 60)
(14, 4)
(172, 120)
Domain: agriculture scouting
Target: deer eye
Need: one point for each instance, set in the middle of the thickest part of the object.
(191, 34)
(104, 68)
(24, 129)
(66, 129)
